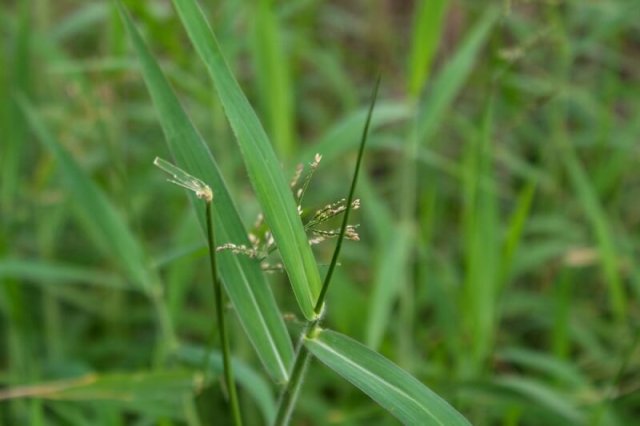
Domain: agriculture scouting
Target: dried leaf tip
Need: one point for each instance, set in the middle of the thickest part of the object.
(185, 180)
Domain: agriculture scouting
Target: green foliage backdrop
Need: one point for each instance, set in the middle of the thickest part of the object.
(498, 240)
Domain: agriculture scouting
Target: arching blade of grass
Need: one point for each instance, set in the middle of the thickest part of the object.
(88, 15)
(159, 394)
(537, 393)
(263, 167)
(244, 281)
(515, 230)
(15, 77)
(48, 272)
(429, 16)
(101, 219)
(482, 248)
(450, 79)
(390, 275)
(390, 386)
(106, 226)
(600, 225)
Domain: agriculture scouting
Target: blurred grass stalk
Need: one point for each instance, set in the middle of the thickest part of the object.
(107, 228)
(16, 77)
(584, 188)
(203, 192)
(273, 78)
(426, 33)
(429, 114)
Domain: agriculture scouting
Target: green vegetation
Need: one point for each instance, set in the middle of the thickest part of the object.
(482, 269)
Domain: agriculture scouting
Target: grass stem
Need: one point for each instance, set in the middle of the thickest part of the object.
(224, 340)
(289, 395)
(345, 218)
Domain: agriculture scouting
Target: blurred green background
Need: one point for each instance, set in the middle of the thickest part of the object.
(498, 227)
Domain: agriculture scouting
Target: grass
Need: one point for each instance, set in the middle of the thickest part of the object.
(496, 263)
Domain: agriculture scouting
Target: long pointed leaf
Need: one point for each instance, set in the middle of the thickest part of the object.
(103, 222)
(44, 273)
(243, 278)
(451, 78)
(263, 167)
(390, 275)
(390, 386)
(427, 30)
(156, 394)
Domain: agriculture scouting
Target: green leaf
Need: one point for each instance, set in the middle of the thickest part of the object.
(40, 271)
(390, 276)
(263, 167)
(451, 78)
(155, 393)
(244, 281)
(427, 27)
(600, 226)
(390, 386)
(100, 217)
(536, 393)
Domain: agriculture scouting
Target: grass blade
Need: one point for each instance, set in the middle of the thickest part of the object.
(390, 386)
(100, 217)
(242, 277)
(273, 75)
(390, 276)
(15, 77)
(515, 230)
(260, 160)
(429, 17)
(544, 396)
(44, 273)
(451, 78)
(482, 247)
(601, 228)
(107, 227)
(158, 394)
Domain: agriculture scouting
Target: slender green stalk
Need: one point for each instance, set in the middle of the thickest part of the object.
(224, 340)
(203, 192)
(289, 394)
(345, 219)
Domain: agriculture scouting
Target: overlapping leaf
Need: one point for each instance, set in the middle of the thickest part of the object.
(263, 167)
(243, 279)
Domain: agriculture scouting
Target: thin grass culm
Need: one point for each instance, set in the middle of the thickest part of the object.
(204, 192)
(288, 397)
